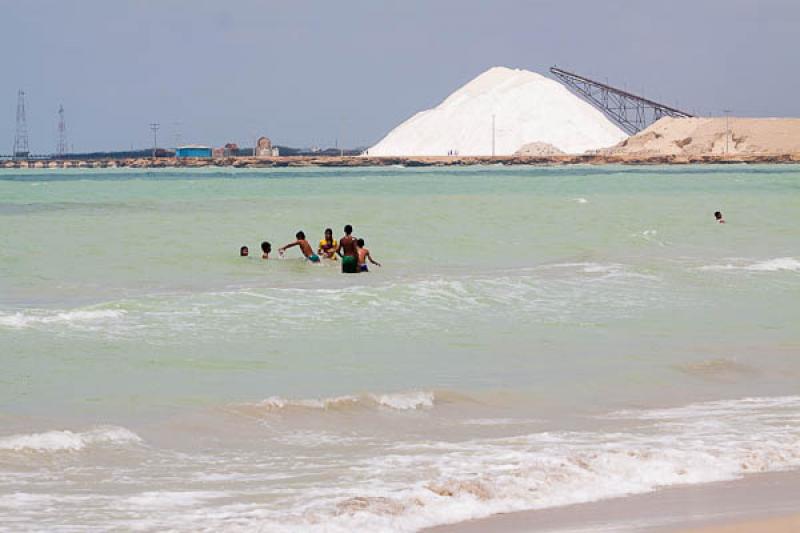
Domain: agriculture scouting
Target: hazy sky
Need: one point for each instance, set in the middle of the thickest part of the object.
(307, 72)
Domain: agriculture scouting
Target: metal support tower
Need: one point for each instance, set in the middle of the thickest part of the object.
(21, 150)
(61, 147)
(631, 112)
(154, 126)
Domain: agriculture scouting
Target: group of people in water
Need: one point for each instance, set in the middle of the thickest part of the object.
(350, 250)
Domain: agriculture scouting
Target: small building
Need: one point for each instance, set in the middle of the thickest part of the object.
(192, 150)
(263, 147)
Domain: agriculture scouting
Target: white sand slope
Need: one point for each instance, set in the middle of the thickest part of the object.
(528, 108)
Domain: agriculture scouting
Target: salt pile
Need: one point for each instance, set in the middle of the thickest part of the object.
(528, 108)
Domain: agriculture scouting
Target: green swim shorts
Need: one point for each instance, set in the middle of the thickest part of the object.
(349, 265)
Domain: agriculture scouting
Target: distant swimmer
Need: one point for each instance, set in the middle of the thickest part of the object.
(718, 216)
(304, 247)
(348, 250)
(244, 251)
(328, 246)
(363, 256)
(266, 248)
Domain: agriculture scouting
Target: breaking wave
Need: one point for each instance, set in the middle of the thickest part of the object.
(413, 485)
(778, 264)
(77, 317)
(401, 401)
(67, 441)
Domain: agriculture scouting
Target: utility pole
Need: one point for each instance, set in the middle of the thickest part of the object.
(493, 135)
(341, 146)
(61, 146)
(154, 126)
(21, 150)
(727, 128)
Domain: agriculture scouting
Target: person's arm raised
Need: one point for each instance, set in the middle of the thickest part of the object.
(283, 248)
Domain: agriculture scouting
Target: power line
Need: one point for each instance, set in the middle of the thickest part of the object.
(21, 150)
(154, 126)
(61, 146)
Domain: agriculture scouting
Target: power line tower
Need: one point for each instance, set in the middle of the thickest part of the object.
(154, 126)
(61, 147)
(21, 150)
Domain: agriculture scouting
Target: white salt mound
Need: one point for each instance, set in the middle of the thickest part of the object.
(528, 108)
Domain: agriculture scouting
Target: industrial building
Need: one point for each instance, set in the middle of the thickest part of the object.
(193, 150)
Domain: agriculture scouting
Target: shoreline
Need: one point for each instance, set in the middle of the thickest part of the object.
(766, 502)
(421, 161)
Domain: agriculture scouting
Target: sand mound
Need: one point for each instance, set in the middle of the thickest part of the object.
(538, 149)
(707, 136)
(528, 108)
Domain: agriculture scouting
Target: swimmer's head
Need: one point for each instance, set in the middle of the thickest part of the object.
(244, 251)
(348, 229)
(360, 243)
(717, 215)
(328, 233)
(300, 236)
(266, 247)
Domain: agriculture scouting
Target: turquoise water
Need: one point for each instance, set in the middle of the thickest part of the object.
(149, 367)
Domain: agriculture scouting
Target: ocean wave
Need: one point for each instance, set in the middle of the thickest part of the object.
(409, 483)
(68, 441)
(76, 317)
(400, 401)
(768, 406)
(789, 264)
(478, 478)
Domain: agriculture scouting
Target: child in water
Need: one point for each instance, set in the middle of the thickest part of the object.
(718, 217)
(266, 248)
(363, 256)
(304, 247)
(244, 251)
(328, 246)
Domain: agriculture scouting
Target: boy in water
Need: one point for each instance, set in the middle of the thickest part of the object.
(348, 250)
(266, 248)
(244, 251)
(363, 256)
(328, 246)
(718, 216)
(304, 247)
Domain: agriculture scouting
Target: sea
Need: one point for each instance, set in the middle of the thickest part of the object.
(535, 337)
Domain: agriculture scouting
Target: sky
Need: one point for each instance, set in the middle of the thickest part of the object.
(309, 73)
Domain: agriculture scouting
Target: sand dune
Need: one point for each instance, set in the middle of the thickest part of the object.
(708, 136)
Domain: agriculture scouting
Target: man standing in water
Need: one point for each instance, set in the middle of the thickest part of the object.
(304, 247)
(348, 249)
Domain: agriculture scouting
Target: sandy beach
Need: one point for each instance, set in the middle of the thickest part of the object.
(762, 502)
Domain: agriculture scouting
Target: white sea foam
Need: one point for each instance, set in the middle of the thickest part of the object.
(31, 318)
(778, 264)
(401, 401)
(68, 441)
(481, 477)
(582, 200)
(413, 484)
(405, 401)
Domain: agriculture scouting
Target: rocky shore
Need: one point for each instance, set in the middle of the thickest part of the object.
(423, 161)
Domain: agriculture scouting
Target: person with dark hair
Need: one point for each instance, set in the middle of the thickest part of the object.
(363, 256)
(328, 245)
(718, 217)
(304, 247)
(244, 251)
(266, 248)
(348, 250)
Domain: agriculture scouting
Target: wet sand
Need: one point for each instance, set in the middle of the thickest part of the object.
(762, 502)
